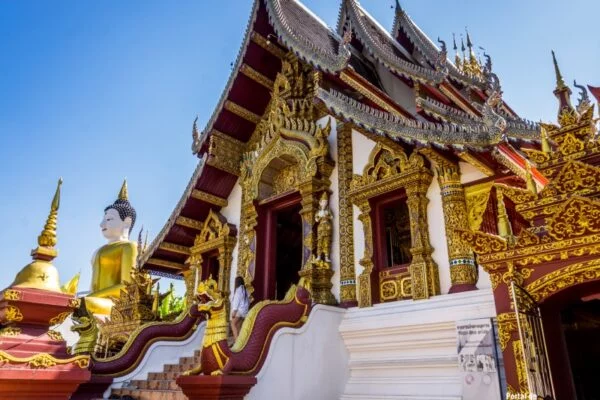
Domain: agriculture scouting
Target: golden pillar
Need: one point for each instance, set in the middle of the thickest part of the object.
(423, 270)
(364, 279)
(463, 271)
(345, 213)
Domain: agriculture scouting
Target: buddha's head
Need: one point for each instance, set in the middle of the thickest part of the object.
(119, 218)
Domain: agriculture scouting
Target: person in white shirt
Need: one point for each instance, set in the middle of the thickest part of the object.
(239, 306)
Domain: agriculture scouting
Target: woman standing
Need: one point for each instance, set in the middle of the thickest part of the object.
(239, 306)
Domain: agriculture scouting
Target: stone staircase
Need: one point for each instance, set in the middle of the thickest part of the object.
(159, 385)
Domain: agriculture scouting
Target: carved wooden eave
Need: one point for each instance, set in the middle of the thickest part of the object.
(207, 189)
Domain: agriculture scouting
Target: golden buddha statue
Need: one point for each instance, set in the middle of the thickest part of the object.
(113, 262)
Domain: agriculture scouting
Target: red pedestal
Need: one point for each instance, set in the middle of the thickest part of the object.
(224, 387)
(34, 363)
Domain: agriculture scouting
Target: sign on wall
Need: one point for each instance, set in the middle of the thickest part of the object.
(477, 360)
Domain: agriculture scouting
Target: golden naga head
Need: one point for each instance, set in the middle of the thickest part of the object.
(208, 295)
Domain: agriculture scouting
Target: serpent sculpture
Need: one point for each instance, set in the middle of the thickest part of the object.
(250, 350)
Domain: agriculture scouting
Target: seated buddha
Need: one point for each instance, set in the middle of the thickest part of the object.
(113, 262)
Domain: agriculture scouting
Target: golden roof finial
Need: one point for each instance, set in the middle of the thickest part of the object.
(546, 148)
(123, 194)
(48, 236)
(531, 186)
(560, 83)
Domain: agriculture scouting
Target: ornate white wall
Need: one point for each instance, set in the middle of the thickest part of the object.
(306, 363)
(408, 349)
(233, 213)
(334, 206)
(361, 149)
(437, 232)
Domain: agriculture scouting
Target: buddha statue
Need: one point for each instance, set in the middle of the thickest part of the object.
(113, 262)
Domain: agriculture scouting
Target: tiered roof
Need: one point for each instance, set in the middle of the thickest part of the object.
(454, 112)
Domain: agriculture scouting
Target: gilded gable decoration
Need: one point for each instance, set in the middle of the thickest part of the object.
(216, 235)
(288, 152)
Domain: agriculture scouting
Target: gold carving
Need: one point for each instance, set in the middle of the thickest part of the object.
(520, 364)
(287, 146)
(60, 318)
(55, 335)
(483, 243)
(11, 294)
(563, 278)
(578, 217)
(174, 248)
(189, 223)
(346, 217)
(44, 360)
(476, 198)
(507, 324)
(241, 112)
(225, 153)
(256, 76)
(209, 198)
(388, 170)
(216, 234)
(10, 331)
(74, 303)
(165, 263)
(462, 263)
(267, 45)
(13, 314)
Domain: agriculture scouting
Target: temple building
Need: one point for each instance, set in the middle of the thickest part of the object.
(401, 231)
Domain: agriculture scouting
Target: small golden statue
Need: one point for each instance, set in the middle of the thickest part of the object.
(324, 219)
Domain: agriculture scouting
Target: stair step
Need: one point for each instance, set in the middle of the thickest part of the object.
(140, 394)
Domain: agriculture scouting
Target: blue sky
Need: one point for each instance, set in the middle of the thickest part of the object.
(96, 91)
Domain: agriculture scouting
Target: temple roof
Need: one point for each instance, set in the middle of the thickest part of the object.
(455, 112)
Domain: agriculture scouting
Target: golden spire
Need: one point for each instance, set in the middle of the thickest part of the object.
(123, 194)
(40, 273)
(457, 59)
(504, 227)
(545, 142)
(531, 186)
(48, 236)
(560, 83)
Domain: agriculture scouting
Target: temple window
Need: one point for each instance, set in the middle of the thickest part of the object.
(396, 234)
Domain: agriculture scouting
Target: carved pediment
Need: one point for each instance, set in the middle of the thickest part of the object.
(527, 238)
(579, 216)
(215, 227)
(575, 178)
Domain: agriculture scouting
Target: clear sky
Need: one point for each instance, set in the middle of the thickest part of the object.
(98, 91)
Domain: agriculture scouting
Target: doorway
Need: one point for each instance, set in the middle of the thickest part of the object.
(581, 328)
(288, 257)
(279, 247)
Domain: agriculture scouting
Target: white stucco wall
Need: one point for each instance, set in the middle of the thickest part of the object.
(361, 149)
(469, 173)
(437, 232)
(306, 363)
(233, 213)
(334, 206)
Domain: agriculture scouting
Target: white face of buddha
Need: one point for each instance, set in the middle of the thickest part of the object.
(113, 228)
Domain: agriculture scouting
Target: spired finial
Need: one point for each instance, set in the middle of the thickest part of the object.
(48, 236)
(195, 134)
(469, 43)
(123, 193)
(560, 83)
(454, 42)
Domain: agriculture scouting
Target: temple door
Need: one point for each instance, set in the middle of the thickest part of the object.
(533, 343)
